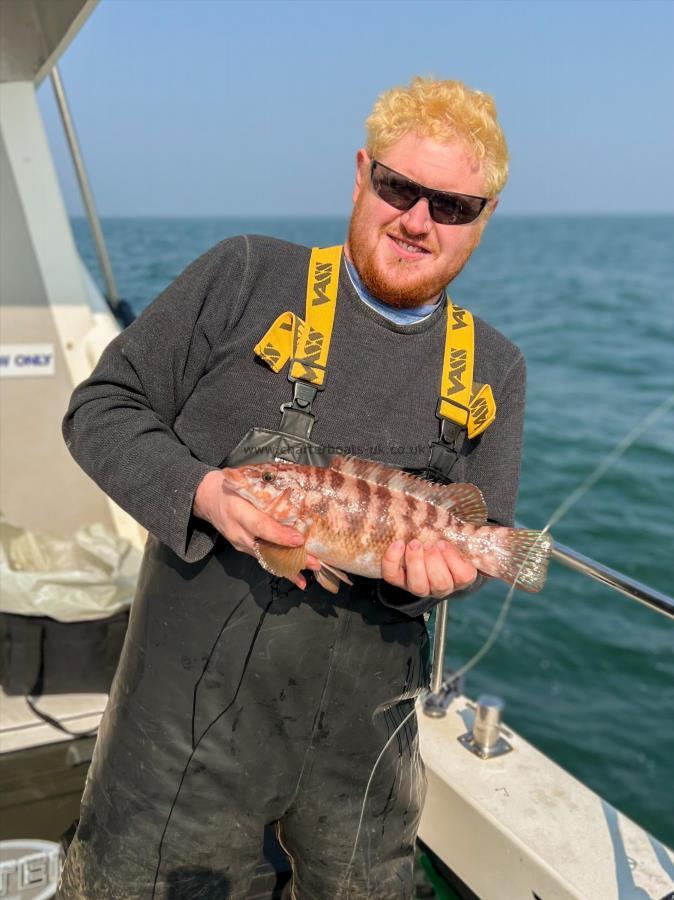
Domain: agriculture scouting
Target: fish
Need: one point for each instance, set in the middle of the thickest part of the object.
(352, 510)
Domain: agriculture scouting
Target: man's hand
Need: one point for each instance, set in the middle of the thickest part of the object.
(427, 570)
(241, 522)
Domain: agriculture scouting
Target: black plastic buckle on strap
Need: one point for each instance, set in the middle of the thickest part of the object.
(297, 417)
(445, 451)
(304, 395)
(451, 433)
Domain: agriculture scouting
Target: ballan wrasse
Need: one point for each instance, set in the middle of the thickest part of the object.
(351, 511)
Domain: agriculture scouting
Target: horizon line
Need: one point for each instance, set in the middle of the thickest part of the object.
(342, 216)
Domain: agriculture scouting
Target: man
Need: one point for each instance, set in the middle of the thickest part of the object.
(241, 699)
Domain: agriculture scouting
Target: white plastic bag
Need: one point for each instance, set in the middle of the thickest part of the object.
(90, 576)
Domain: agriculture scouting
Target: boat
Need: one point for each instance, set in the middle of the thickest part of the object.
(502, 821)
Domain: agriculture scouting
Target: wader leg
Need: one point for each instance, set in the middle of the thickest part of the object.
(335, 855)
(378, 668)
(161, 815)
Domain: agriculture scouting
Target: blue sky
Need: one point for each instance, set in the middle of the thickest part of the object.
(220, 107)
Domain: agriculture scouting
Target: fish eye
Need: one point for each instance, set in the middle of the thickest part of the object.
(268, 476)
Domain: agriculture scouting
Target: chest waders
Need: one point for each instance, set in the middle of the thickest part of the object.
(241, 700)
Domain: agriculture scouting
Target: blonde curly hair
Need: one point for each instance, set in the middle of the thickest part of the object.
(443, 111)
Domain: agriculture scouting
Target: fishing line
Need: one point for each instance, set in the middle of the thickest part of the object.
(369, 782)
(570, 501)
(607, 461)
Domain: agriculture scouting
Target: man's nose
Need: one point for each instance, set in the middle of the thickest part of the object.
(417, 220)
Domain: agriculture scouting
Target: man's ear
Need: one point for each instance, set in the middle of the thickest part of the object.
(362, 164)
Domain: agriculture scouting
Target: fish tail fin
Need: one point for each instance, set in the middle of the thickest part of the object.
(525, 558)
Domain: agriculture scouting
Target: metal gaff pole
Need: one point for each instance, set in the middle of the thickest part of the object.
(87, 196)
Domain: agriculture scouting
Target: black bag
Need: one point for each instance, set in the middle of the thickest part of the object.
(39, 655)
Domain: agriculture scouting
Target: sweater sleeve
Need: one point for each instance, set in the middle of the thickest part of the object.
(119, 425)
(495, 467)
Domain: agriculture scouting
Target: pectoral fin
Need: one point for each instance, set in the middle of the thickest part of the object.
(287, 562)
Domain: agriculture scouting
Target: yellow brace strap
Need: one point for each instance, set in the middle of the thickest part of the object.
(278, 344)
(306, 342)
(313, 337)
(462, 400)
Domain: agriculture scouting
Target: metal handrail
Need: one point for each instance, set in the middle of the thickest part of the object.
(435, 704)
(119, 307)
(87, 196)
(614, 579)
(439, 642)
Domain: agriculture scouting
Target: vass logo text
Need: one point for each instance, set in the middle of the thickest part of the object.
(311, 353)
(458, 316)
(312, 345)
(322, 279)
(479, 411)
(270, 354)
(457, 367)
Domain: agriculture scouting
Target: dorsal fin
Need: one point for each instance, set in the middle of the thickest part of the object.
(464, 501)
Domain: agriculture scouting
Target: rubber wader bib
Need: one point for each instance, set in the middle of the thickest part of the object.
(241, 700)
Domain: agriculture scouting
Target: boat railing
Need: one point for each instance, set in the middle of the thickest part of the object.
(614, 579)
(618, 581)
(120, 308)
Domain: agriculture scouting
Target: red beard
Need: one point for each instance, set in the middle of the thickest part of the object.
(402, 293)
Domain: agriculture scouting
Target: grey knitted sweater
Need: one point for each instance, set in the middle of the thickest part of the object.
(179, 388)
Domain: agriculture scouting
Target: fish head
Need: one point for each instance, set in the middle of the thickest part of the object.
(271, 487)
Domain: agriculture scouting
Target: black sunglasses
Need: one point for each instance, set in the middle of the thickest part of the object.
(445, 207)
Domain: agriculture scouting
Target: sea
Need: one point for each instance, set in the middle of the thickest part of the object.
(587, 674)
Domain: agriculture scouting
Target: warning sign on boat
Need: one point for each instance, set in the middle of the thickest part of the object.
(26, 360)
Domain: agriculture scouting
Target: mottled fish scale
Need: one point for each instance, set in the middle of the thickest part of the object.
(353, 510)
(373, 520)
(346, 527)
